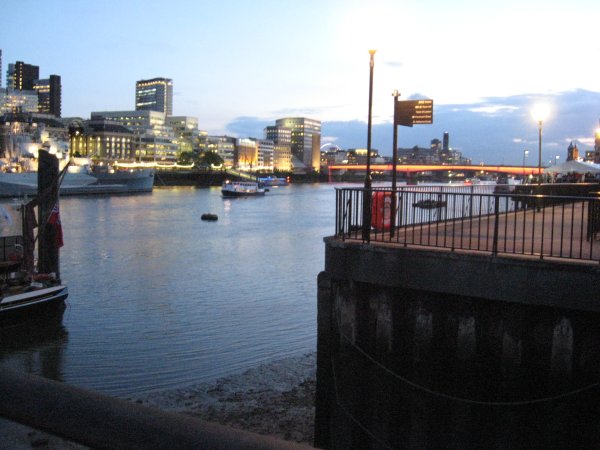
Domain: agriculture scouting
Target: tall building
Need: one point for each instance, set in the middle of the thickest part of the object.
(0, 67)
(282, 147)
(305, 139)
(49, 95)
(597, 147)
(154, 95)
(22, 76)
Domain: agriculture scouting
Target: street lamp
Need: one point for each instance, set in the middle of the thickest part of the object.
(367, 191)
(369, 123)
(525, 154)
(539, 114)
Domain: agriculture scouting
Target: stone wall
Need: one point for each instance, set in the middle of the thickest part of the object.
(401, 367)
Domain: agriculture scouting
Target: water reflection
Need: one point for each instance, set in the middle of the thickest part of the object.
(37, 346)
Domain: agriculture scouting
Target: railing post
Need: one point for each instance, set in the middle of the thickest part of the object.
(366, 225)
(496, 223)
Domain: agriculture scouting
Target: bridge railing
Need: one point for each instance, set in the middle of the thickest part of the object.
(479, 218)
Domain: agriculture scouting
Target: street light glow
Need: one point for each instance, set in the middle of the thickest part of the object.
(540, 112)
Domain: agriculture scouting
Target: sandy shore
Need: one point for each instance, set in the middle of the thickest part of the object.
(275, 399)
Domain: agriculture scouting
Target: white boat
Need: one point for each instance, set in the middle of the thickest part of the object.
(242, 189)
(99, 181)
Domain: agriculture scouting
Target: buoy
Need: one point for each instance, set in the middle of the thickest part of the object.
(209, 216)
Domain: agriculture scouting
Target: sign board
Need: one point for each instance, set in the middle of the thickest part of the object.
(413, 112)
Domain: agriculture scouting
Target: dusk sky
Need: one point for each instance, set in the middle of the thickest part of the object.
(239, 65)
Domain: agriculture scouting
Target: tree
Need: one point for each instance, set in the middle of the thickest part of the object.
(211, 158)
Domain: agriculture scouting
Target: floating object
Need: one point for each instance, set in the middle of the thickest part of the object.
(209, 216)
(430, 204)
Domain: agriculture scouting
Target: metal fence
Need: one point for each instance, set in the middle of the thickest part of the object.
(481, 218)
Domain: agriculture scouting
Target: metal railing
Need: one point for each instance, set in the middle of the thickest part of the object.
(480, 218)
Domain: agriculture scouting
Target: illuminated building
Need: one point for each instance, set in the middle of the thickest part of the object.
(246, 154)
(597, 147)
(153, 139)
(49, 95)
(22, 76)
(282, 147)
(154, 95)
(13, 100)
(101, 139)
(186, 132)
(305, 139)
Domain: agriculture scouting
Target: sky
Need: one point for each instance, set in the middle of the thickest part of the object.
(239, 65)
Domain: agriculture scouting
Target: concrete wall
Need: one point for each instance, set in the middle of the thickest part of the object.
(437, 350)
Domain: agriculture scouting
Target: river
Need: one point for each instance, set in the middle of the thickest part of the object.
(159, 298)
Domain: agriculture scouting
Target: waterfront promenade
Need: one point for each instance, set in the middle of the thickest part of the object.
(471, 312)
(542, 234)
(501, 224)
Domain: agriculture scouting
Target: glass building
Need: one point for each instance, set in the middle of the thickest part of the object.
(154, 95)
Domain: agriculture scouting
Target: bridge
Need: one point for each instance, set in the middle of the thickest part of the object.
(412, 168)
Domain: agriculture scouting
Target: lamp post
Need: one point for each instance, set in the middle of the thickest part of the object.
(369, 123)
(525, 154)
(539, 113)
(367, 191)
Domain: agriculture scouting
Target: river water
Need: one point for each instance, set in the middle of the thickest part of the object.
(159, 298)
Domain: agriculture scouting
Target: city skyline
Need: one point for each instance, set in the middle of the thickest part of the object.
(237, 65)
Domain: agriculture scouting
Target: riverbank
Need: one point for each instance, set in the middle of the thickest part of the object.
(274, 399)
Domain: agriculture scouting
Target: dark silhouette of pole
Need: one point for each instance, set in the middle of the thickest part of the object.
(395, 94)
(367, 190)
(540, 152)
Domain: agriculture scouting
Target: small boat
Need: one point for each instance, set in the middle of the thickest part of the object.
(209, 217)
(242, 189)
(430, 204)
(30, 291)
(274, 181)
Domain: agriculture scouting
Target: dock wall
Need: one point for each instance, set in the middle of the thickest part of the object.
(428, 349)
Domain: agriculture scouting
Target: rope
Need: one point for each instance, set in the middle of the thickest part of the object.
(461, 399)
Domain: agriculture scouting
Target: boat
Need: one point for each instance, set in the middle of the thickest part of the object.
(242, 189)
(99, 180)
(430, 204)
(210, 217)
(24, 293)
(274, 181)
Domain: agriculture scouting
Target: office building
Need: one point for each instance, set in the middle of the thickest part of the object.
(282, 147)
(153, 139)
(186, 132)
(101, 139)
(305, 140)
(154, 95)
(49, 95)
(14, 101)
(22, 76)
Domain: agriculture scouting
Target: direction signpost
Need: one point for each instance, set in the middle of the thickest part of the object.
(413, 112)
(406, 113)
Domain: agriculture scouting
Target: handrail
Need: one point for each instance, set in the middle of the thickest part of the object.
(486, 218)
(99, 421)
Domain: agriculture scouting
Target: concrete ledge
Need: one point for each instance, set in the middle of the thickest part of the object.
(521, 280)
(100, 421)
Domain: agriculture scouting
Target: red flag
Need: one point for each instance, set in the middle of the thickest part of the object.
(54, 220)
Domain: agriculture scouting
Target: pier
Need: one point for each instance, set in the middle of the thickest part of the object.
(464, 317)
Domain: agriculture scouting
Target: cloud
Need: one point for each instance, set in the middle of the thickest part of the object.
(494, 130)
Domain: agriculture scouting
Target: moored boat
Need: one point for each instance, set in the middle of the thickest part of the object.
(242, 189)
(29, 290)
(98, 181)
